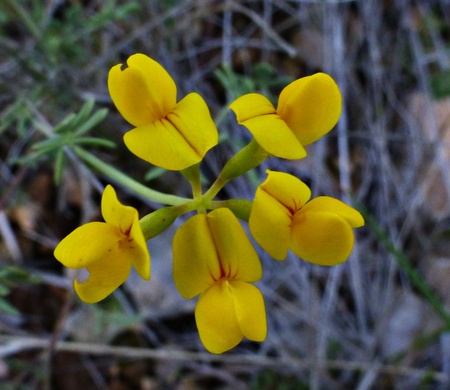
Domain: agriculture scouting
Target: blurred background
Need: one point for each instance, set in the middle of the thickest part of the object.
(379, 321)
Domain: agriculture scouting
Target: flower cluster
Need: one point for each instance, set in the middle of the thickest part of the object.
(212, 256)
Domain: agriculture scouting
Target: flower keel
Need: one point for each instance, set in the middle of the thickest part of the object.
(213, 257)
(107, 250)
(167, 134)
(283, 218)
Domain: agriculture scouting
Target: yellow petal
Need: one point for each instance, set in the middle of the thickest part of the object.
(195, 262)
(276, 201)
(115, 213)
(275, 137)
(138, 250)
(321, 238)
(310, 106)
(332, 205)
(287, 189)
(160, 144)
(216, 319)
(251, 105)
(87, 244)
(143, 91)
(178, 141)
(105, 276)
(238, 259)
(269, 224)
(258, 115)
(126, 219)
(192, 119)
(250, 310)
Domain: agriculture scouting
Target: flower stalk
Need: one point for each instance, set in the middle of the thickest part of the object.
(126, 181)
(249, 157)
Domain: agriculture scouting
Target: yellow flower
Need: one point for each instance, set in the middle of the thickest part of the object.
(168, 134)
(308, 108)
(283, 218)
(212, 256)
(106, 249)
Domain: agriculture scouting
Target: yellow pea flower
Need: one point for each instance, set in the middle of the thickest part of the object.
(308, 108)
(106, 249)
(283, 217)
(213, 257)
(167, 134)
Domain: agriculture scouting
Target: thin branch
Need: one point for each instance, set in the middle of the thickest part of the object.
(30, 343)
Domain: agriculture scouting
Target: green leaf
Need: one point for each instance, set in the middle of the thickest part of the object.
(60, 164)
(7, 308)
(154, 173)
(235, 84)
(61, 126)
(93, 141)
(48, 145)
(11, 275)
(84, 113)
(4, 290)
(440, 84)
(30, 160)
(91, 122)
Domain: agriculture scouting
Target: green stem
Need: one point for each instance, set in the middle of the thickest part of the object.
(192, 174)
(240, 207)
(196, 184)
(247, 158)
(159, 220)
(120, 178)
